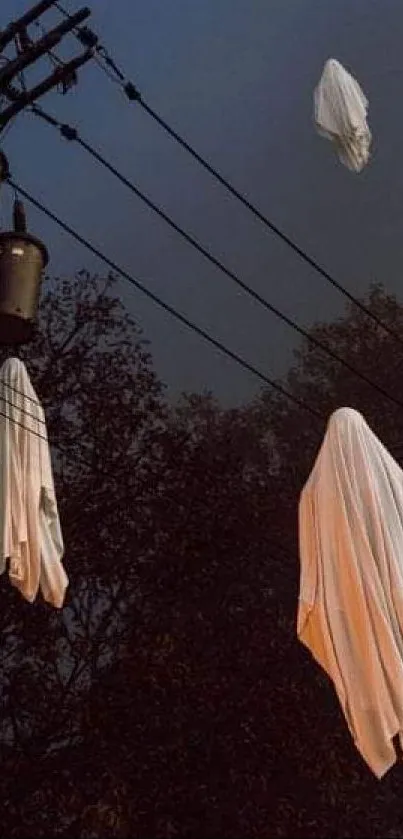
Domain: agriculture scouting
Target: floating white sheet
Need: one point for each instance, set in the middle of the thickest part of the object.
(350, 613)
(30, 534)
(341, 115)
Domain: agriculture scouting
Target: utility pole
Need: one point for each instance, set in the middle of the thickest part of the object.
(23, 256)
(14, 93)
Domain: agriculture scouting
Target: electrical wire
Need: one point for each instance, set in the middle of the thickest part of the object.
(44, 437)
(8, 128)
(219, 345)
(21, 424)
(53, 57)
(134, 95)
(106, 70)
(22, 410)
(70, 133)
(21, 393)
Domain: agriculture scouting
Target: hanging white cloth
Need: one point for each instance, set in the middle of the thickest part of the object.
(30, 535)
(350, 613)
(341, 115)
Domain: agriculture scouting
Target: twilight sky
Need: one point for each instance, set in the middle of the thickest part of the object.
(234, 77)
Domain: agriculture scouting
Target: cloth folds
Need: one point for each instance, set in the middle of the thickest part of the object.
(350, 611)
(30, 534)
(341, 115)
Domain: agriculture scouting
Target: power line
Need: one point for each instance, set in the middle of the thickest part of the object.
(268, 223)
(166, 306)
(14, 421)
(44, 437)
(4, 401)
(134, 95)
(28, 54)
(70, 133)
(22, 410)
(21, 393)
(8, 128)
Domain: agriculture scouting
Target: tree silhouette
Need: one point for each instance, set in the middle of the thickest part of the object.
(186, 706)
(227, 727)
(106, 422)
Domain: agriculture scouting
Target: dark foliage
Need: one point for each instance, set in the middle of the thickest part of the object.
(171, 698)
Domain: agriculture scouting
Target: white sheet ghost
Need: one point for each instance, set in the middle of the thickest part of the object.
(341, 115)
(350, 613)
(30, 534)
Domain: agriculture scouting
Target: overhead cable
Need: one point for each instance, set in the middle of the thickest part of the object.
(111, 69)
(70, 133)
(166, 306)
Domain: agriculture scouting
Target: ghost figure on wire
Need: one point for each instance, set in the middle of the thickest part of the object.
(31, 542)
(341, 109)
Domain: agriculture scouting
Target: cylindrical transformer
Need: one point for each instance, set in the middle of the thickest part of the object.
(22, 260)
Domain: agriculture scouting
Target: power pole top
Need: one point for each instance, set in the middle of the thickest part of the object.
(28, 52)
(23, 256)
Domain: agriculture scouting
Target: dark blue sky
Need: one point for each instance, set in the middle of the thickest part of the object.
(236, 78)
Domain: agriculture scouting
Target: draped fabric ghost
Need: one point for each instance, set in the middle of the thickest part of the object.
(341, 115)
(350, 612)
(30, 535)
